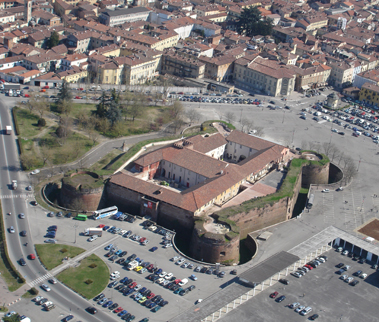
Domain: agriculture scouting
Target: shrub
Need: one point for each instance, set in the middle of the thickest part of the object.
(16, 126)
(33, 291)
(93, 265)
(88, 281)
(41, 122)
(64, 250)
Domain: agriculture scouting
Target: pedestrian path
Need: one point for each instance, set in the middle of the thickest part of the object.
(40, 279)
(24, 195)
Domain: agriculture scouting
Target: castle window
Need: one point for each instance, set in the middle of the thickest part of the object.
(222, 254)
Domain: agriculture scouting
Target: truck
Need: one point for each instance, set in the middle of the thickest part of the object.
(12, 87)
(8, 129)
(93, 231)
(14, 184)
(132, 265)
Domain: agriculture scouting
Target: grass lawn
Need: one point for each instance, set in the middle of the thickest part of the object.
(76, 277)
(27, 123)
(64, 151)
(106, 160)
(51, 255)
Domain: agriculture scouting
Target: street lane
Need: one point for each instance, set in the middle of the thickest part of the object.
(10, 170)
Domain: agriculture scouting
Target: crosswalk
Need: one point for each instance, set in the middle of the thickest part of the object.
(16, 196)
(40, 279)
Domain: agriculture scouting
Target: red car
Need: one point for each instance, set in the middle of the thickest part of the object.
(26, 95)
(32, 256)
(180, 93)
(177, 281)
(118, 310)
(101, 226)
(81, 89)
(133, 285)
(46, 87)
(309, 267)
(150, 267)
(142, 239)
(77, 97)
(151, 295)
(274, 295)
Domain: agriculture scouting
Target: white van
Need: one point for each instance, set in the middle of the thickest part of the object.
(132, 265)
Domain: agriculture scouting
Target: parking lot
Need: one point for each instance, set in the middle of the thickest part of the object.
(323, 290)
(70, 230)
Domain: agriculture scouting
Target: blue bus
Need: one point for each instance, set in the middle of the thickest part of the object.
(103, 213)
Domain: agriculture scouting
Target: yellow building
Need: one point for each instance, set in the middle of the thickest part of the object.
(369, 93)
(74, 75)
(110, 73)
(154, 40)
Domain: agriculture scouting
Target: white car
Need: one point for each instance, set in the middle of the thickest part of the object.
(349, 279)
(345, 252)
(35, 171)
(92, 238)
(344, 277)
(163, 274)
(45, 288)
(363, 276)
(168, 276)
(180, 261)
(325, 190)
(167, 246)
(115, 273)
(153, 228)
(160, 281)
(183, 282)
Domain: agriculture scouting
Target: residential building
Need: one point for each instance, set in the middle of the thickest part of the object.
(218, 68)
(45, 62)
(118, 17)
(311, 77)
(70, 61)
(182, 66)
(370, 76)
(257, 74)
(369, 94)
(73, 75)
(341, 74)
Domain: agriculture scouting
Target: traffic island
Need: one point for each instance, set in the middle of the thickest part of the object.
(52, 255)
(91, 268)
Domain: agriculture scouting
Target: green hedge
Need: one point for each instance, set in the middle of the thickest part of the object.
(14, 273)
(16, 126)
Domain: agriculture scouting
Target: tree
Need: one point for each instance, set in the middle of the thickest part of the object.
(115, 96)
(101, 108)
(251, 24)
(114, 114)
(136, 110)
(64, 93)
(193, 115)
(259, 131)
(230, 117)
(53, 40)
(176, 111)
(64, 107)
(42, 106)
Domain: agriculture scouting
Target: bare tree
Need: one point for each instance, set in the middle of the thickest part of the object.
(326, 147)
(350, 171)
(333, 152)
(341, 155)
(259, 131)
(176, 111)
(42, 106)
(230, 117)
(193, 116)
(311, 145)
(245, 123)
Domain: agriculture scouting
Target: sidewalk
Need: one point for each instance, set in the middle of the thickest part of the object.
(8, 298)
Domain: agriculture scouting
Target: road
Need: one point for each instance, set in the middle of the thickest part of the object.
(17, 203)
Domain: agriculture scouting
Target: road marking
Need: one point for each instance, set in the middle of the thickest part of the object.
(16, 196)
(40, 279)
